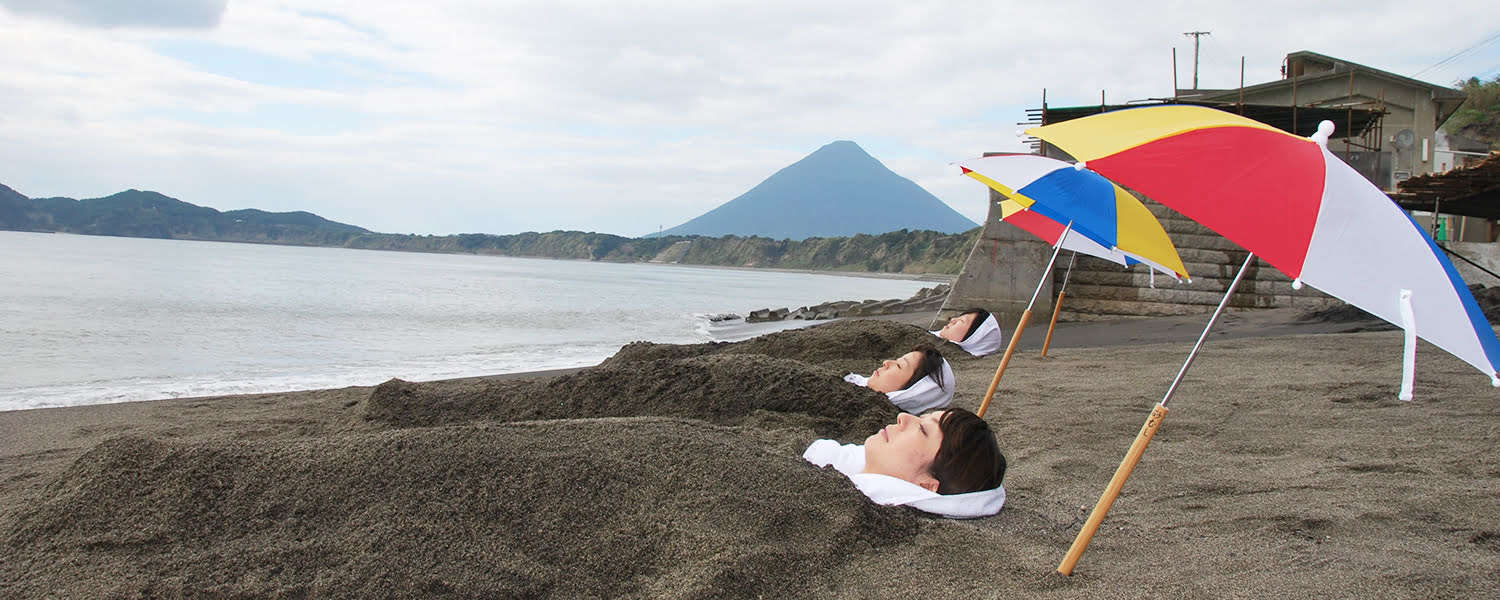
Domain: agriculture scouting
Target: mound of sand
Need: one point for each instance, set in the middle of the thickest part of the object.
(588, 508)
(849, 346)
(725, 389)
(1488, 299)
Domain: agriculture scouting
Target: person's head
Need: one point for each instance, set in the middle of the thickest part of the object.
(901, 372)
(948, 452)
(963, 325)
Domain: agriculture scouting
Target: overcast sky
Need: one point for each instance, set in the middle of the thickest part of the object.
(618, 116)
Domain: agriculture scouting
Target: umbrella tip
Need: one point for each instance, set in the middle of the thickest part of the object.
(1325, 131)
(1080, 165)
(1494, 380)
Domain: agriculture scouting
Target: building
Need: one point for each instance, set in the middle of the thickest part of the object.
(1403, 144)
(1386, 128)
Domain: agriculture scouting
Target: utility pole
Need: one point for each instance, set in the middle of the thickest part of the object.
(1196, 35)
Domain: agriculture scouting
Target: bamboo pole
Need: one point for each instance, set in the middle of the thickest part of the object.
(1112, 491)
(1148, 430)
(1015, 336)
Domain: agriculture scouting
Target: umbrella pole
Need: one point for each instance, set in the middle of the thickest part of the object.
(1057, 307)
(1112, 491)
(1015, 337)
(1010, 350)
(1142, 439)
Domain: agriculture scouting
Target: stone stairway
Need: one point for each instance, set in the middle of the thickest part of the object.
(1101, 289)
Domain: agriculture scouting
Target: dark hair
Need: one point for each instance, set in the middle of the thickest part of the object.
(969, 460)
(931, 363)
(979, 316)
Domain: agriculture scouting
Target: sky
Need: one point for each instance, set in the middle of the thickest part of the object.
(617, 116)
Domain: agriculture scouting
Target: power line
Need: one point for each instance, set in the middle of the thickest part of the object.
(1462, 53)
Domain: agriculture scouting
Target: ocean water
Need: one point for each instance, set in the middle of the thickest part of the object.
(88, 319)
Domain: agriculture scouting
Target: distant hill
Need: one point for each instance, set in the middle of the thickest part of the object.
(134, 213)
(149, 214)
(837, 191)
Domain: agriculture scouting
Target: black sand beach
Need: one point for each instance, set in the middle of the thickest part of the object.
(1286, 468)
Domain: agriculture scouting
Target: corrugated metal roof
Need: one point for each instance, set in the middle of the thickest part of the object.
(1467, 191)
(1301, 120)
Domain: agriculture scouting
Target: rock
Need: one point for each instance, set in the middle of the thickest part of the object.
(926, 299)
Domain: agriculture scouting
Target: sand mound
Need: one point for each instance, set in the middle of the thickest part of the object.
(1345, 313)
(588, 508)
(726, 389)
(1488, 299)
(850, 346)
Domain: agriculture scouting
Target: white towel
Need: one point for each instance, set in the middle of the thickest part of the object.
(986, 339)
(849, 459)
(922, 396)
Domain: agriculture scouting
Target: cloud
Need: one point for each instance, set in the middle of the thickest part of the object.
(183, 14)
(448, 116)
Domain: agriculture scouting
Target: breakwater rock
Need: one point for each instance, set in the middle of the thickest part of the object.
(926, 299)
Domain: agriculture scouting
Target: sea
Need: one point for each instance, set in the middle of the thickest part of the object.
(93, 319)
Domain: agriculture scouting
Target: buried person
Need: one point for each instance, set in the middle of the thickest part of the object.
(975, 330)
(944, 462)
(916, 382)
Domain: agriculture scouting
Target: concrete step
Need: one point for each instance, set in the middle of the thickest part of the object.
(1277, 294)
(1086, 309)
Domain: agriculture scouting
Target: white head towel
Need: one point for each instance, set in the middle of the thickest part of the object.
(922, 396)
(849, 459)
(986, 339)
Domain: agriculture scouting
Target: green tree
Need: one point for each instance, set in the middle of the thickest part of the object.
(1479, 117)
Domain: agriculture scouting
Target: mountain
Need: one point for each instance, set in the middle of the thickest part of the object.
(134, 213)
(149, 214)
(837, 191)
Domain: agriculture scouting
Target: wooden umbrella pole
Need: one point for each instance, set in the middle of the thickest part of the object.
(1148, 430)
(1015, 337)
(1112, 491)
(1004, 361)
(1057, 307)
(1053, 325)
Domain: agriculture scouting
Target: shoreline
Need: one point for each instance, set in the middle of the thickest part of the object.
(1121, 331)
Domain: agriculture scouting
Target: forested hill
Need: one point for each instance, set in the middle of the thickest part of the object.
(913, 252)
(134, 213)
(152, 215)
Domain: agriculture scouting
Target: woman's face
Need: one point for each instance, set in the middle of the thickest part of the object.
(893, 374)
(957, 327)
(906, 450)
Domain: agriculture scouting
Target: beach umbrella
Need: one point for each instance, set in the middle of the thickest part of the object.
(1088, 204)
(1292, 202)
(1099, 209)
(1051, 232)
